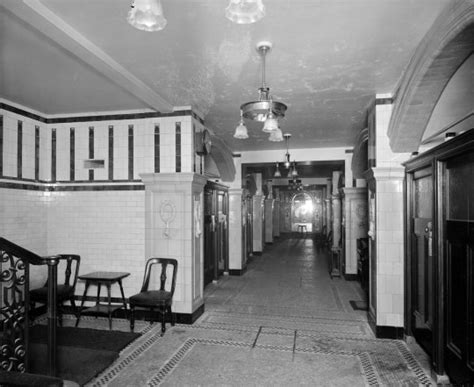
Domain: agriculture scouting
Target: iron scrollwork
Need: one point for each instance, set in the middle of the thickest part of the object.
(13, 277)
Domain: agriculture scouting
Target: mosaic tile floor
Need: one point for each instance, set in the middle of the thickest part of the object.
(284, 322)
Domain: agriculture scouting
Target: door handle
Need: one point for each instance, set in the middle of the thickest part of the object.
(429, 231)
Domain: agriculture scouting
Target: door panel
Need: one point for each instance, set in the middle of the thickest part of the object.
(459, 266)
(422, 262)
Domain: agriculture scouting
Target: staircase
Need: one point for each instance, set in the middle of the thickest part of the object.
(15, 264)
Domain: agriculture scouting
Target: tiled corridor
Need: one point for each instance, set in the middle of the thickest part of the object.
(284, 322)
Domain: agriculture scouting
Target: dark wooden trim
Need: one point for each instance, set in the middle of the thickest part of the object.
(439, 233)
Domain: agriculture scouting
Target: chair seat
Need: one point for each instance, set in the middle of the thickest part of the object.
(151, 297)
(63, 292)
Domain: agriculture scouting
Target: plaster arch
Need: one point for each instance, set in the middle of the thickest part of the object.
(445, 47)
(222, 157)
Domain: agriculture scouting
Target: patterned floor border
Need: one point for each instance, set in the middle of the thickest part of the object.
(150, 337)
(367, 367)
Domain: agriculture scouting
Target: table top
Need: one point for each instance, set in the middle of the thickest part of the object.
(104, 276)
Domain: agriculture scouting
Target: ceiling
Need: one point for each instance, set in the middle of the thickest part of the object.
(329, 58)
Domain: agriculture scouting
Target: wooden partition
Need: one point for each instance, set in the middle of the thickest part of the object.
(440, 256)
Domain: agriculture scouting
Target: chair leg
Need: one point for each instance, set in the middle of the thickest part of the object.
(172, 316)
(163, 321)
(74, 307)
(132, 317)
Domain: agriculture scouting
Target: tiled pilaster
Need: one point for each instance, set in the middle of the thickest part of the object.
(236, 261)
(390, 247)
(174, 229)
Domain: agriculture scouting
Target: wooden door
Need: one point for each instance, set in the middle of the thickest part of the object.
(221, 233)
(422, 260)
(209, 236)
(459, 268)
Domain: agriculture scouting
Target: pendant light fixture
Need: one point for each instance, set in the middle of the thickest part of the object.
(277, 171)
(276, 135)
(241, 130)
(245, 11)
(146, 15)
(287, 162)
(265, 109)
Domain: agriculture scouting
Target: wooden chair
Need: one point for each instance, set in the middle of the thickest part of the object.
(65, 292)
(160, 299)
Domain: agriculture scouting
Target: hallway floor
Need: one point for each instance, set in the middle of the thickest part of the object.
(284, 322)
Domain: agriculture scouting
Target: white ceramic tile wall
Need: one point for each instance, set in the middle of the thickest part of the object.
(106, 228)
(28, 150)
(389, 224)
(63, 155)
(10, 145)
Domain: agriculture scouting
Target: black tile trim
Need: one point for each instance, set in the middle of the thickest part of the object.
(91, 151)
(1, 145)
(53, 154)
(384, 332)
(111, 152)
(157, 148)
(72, 154)
(383, 101)
(238, 272)
(45, 186)
(351, 277)
(19, 152)
(181, 318)
(130, 152)
(37, 152)
(178, 146)
(105, 117)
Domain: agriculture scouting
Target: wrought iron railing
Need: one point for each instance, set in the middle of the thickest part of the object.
(15, 264)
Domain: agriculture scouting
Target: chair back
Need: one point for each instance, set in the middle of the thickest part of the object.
(71, 273)
(70, 263)
(163, 263)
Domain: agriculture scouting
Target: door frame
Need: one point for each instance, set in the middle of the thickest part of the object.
(434, 159)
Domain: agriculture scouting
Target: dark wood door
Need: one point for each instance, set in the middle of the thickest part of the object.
(422, 261)
(459, 268)
(209, 236)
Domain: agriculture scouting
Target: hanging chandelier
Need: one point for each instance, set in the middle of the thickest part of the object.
(245, 11)
(265, 109)
(146, 15)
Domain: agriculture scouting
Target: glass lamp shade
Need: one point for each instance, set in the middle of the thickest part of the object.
(277, 171)
(271, 124)
(294, 172)
(241, 131)
(276, 135)
(147, 15)
(287, 163)
(245, 11)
